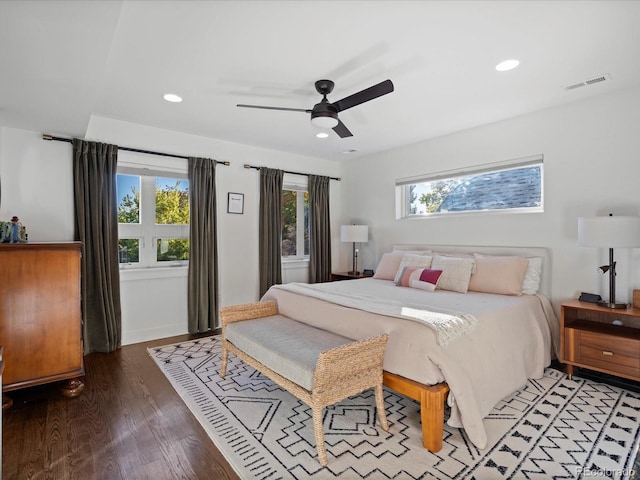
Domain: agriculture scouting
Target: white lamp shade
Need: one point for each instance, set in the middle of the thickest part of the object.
(354, 233)
(609, 232)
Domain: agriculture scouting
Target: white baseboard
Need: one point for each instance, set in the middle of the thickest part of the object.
(147, 334)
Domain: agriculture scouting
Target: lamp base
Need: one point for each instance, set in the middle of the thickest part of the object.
(617, 306)
(353, 273)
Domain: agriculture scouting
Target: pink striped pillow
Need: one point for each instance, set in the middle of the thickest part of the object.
(421, 278)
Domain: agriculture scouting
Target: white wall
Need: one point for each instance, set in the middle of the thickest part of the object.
(37, 186)
(591, 167)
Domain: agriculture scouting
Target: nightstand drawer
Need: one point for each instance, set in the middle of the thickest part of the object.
(617, 354)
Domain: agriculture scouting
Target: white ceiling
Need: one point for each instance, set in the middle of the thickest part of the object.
(63, 61)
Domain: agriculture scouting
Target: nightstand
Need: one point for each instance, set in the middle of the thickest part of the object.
(601, 339)
(348, 276)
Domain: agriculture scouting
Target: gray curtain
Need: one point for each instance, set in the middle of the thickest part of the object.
(270, 228)
(319, 230)
(94, 181)
(203, 251)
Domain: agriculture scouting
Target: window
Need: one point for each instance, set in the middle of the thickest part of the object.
(295, 223)
(514, 186)
(153, 220)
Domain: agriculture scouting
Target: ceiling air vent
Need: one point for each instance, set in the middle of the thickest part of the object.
(575, 85)
(591, 81)
(601, 78)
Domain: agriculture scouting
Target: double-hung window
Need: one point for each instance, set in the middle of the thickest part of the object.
(512, 186)
(153, 218)
(295, 222)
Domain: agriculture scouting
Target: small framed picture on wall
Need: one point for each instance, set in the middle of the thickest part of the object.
(235, 203)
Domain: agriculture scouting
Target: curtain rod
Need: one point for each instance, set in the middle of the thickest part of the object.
(246, 165)
(161, 154)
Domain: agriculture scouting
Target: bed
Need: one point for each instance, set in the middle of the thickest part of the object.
(476, 346)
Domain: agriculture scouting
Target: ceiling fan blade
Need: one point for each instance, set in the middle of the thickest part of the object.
(365, 95)
(342, 130)
(274, 108)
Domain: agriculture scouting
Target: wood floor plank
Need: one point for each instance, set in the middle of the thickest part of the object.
(32, 445)
(128, 423)
(55, 441)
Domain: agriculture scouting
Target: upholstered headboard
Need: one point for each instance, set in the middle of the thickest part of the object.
(542, 252)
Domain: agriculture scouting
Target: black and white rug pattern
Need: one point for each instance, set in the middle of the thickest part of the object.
(552, 428)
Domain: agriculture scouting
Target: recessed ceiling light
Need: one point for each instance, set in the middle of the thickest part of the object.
(347, 152)
(172, 97)
(507, 65)
(322, 134)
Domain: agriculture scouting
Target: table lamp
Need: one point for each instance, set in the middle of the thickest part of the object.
(609, 232)
(354, 234)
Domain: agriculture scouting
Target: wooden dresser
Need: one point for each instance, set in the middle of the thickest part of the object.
(40, 315)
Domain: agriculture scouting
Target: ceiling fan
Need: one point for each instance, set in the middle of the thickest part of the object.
(325, 113)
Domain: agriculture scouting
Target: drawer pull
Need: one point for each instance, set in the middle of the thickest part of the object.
(607, 353)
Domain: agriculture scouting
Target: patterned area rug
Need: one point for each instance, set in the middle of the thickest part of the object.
(552, 428)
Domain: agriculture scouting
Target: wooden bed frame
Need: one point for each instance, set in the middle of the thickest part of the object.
(432, 397)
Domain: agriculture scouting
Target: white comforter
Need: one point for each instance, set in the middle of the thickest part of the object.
(511, 343)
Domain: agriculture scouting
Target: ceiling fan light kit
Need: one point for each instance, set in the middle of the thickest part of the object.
(324, 119)
(325, 114)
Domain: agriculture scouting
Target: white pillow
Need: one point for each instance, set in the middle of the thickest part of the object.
(456, 272)
(388, 266)
(531, 282)
(417, 261)
(412, 252)
(458, 255)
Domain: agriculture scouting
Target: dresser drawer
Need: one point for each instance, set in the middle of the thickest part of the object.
(607, 352)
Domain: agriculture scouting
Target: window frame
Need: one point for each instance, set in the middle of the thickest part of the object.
(147, 231)
(292, 184)
(403, 184)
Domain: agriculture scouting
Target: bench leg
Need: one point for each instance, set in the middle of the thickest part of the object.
(319, 435)
(225, 356)
(382, 414)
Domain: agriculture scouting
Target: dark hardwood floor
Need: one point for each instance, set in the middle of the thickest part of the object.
(129, 423)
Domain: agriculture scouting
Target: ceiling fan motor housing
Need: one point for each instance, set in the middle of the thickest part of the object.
(324, 87)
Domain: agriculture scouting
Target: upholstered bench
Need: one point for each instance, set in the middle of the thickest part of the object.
(318, 367)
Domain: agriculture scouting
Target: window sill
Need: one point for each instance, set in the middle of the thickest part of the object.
(292, 264)
(133, 274)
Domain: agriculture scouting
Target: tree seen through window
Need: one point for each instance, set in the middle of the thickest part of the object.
(171, 208)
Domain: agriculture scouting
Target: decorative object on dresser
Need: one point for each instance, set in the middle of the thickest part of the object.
(354, 234)
(40, 315)
(13, 231)
(609, 232)
(599, 338)
(636, 298)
